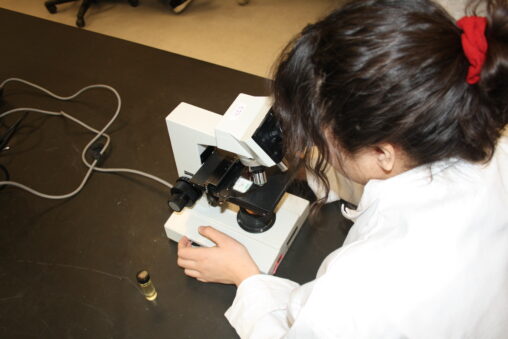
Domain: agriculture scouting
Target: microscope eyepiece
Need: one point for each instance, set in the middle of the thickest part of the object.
(269, 137)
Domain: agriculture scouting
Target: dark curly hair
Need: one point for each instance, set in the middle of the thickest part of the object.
(392, 71)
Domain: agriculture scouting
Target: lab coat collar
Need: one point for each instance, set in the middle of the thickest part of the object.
(376, 189)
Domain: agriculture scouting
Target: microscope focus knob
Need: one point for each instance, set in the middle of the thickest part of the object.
(183, 194)
(178, 201)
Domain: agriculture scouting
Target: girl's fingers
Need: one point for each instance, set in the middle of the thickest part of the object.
(194, 253)
(184, 263)
(214, 235)
(184, 242)
(192, 273)
(186, 251)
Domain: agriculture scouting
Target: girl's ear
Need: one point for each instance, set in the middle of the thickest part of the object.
(386, 155)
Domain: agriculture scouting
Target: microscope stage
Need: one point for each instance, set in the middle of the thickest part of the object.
(267, 248)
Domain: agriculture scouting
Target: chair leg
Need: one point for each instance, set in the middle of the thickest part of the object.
(51, 5)
(80, 22)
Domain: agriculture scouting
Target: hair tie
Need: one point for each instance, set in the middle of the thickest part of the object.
(474, 43)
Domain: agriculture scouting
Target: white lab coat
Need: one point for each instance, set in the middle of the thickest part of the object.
(427, 257)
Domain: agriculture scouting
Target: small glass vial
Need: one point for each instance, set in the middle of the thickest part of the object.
(147, 287)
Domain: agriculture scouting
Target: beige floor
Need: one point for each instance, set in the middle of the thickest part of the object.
(246, 38)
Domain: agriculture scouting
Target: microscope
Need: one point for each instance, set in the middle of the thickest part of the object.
(232, 176)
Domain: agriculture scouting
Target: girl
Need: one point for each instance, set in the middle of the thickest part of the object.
(398, 97)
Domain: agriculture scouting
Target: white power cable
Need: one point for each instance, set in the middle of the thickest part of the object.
(91, 166)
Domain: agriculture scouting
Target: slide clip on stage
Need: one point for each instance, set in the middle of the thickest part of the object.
(232, 177)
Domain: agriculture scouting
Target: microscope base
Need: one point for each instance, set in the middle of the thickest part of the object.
(267, 248)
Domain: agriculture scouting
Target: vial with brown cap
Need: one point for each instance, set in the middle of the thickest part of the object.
(147, 287)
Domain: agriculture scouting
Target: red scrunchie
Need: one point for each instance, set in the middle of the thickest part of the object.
(474, 43)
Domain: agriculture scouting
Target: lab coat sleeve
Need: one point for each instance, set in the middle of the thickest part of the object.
(260, 308)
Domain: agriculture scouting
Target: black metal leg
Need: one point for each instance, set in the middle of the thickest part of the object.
(85, 4)
(51, 5)
(80, 22)
(57, 2)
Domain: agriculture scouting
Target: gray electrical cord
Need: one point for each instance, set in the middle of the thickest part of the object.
(91, 166)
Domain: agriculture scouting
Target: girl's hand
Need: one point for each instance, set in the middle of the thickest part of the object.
(227, 263)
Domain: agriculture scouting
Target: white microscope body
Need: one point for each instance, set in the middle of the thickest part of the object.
(192, 131)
